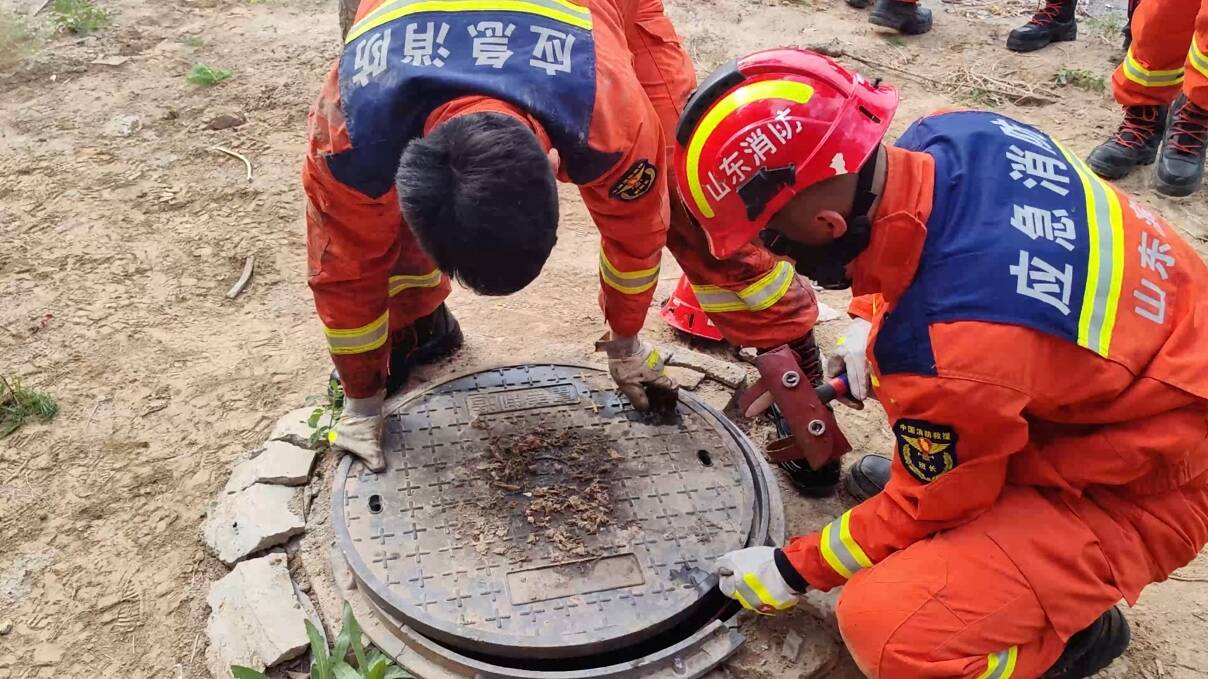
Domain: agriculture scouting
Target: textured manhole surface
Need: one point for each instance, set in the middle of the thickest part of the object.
(531, 512)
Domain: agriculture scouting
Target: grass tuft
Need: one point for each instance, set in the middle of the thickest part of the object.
(207, 76)
(19, 404)
(79, 16)
(1082, 79)
(17, 38)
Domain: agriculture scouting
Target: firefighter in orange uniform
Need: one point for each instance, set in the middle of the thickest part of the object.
(1037, 340)
(434, 147)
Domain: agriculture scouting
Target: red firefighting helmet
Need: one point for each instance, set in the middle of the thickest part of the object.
(766, 126)
(682, 311)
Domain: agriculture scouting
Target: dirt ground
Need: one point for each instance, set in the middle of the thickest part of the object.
(123, 229)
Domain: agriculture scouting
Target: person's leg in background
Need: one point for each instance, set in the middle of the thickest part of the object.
(1055, 21)
(421, 328)
(1145, 83)
(1181, 165)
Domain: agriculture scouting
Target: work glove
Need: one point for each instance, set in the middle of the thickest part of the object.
(359, 430)
(851, 357)
(758, 578)
(638, 370)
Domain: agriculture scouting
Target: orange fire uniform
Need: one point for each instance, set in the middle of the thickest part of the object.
(1038, 344)
(1159, 61)
(602, 81)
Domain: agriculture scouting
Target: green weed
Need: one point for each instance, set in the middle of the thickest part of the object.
(1082, 79)
(193, 41)
(324, 418)
(19, 404)
(207, 76)
(1108, 25)
(17, 38)
(333, 663)
(79, 16)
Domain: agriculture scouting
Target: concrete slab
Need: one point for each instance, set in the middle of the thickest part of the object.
(732, 375)
(254, 519)
(687, 378)
(294, 428)
(280, 462)
(255, 619)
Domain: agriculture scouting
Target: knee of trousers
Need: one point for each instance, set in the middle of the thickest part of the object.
(888, 627)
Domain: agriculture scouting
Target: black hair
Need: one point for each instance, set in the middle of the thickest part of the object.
(479, 194)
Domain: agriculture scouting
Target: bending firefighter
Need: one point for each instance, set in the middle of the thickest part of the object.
(1033, 337)
(435, 146)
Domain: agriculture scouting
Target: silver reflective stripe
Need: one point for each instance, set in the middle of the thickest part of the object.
(359, 340)
(747, 593)
(400, 283)
(715, 300)
(1197, 58)
(1103, 223)
(1001, 665)
(1143, 76)
(628, 282)
(755, 297)
(834, 544)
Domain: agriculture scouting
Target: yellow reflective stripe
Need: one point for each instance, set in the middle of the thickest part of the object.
(1105, 260)
(760, 295)
(1000, 665)
(359, 340)
(1198, 61)
(788, 90)
(628, 282)
(428, 280)
(839, 548)
(558, 10)
(764, 595)
(1134, 71)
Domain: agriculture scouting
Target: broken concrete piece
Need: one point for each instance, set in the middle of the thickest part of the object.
(294, 427)
(254, 519)
(791, 649)
(730, 374)
(256, 619)
(686, 377)
(6, 626)
(281, 463)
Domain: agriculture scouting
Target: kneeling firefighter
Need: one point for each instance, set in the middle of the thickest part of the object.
(1033, 337)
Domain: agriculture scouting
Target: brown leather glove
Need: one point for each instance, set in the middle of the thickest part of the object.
(639, 372)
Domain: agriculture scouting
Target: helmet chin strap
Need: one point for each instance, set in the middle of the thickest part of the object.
(826, 265)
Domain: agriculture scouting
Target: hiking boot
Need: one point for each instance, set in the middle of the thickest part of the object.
(868, 476)
(1094, 648)
(429, 339)
(1054, 22)
(906, 17)
(1134, 143)
(1181, 165)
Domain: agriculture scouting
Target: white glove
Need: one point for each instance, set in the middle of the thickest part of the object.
(359, 430)
(851, 357)
(639, 371)
(752, 577)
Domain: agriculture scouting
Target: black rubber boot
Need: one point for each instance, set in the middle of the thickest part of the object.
(1135, 143)
(429, 339)
(1054, 22)
(1181, 164)
(905, 17)
(1094, 648)
(868, 476)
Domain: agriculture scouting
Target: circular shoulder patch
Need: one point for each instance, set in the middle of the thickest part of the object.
(926, 449)
(636, 182)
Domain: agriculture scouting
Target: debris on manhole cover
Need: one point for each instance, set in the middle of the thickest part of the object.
(531, 513)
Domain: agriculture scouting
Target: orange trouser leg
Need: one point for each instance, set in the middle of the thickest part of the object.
(757, 301)
(1196, 83)
(1152, 71)
(958, 604)
(417, 287)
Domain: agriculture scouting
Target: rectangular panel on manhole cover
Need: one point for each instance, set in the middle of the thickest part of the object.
(521, 399)
(575, 577)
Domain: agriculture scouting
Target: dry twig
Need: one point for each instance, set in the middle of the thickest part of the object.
(249, 265)
(246, 163)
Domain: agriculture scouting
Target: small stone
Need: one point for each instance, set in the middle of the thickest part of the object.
(827, 313)
(226, 121)
(115, 60)
(123, 125)
(255, 619)
(791, 649)
(686, 377)
(6, 626)
(280, 463)
(819, 653)
(729, 374)
(294, 427)
(254, 519)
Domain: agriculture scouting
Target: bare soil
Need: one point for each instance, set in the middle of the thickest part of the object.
(123, 228)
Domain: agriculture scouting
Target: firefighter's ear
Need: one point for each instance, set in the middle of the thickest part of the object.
(831, 223)
(555, 160)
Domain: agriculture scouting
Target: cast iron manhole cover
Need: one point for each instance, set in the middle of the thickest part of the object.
(530, 511)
